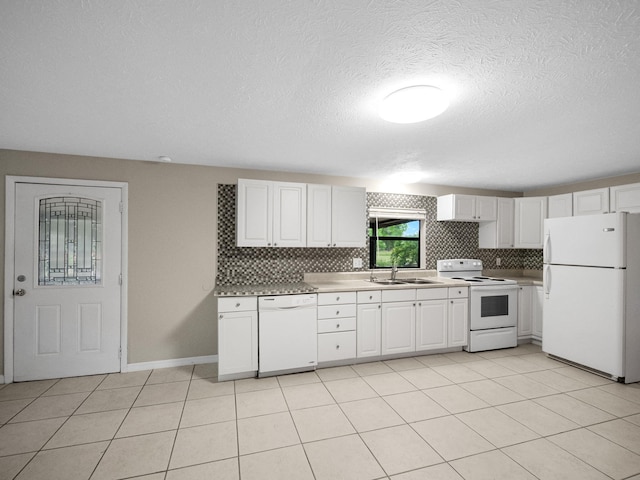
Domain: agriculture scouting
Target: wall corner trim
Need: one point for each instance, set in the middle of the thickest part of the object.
(176, 362)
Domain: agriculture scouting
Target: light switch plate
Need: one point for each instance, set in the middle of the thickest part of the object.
(357, 263)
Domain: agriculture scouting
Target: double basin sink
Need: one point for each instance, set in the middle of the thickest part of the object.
(406, 281)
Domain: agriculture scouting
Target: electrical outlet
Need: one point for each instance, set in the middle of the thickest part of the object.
(357, 263)
(498, 262)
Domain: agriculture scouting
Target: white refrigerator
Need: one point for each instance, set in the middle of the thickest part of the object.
(591, 311)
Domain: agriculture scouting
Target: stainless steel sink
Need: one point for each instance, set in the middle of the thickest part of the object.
(405, 281)
(421, 281)
(388, 282)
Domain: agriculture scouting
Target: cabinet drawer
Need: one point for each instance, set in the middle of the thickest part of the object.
(237, 304)
(336, 346)
(336, 311)
(337, 325)
(373, 296)
(458, 292)
(336, 298)
(431, 293)
(398, 295)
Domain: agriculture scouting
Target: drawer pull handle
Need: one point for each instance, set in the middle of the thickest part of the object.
(337, 325)
(237, 305)
(337, 299)
(370, 297)
(337, 347)
(337, 312)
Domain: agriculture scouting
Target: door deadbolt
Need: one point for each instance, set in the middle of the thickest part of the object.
(21, 292)
(21, 278)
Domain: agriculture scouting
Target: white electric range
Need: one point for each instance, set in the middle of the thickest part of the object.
(493, 305)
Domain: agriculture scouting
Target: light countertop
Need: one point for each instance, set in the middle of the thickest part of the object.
(359, 281)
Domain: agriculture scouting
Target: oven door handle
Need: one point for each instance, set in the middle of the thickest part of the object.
(500, 288)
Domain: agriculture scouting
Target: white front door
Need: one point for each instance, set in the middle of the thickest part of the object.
(67, 280)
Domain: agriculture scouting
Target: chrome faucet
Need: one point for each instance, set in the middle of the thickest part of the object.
(394, 270)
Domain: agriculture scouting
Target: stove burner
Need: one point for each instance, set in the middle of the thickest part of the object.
(467, 279)
(491, 278)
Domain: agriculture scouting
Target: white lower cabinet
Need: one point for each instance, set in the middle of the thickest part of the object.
(237, 337)
(398, 327)
(336, 346)
(530, 299)
(369, 325)
(538, 301)
(336, 326)
(525, 312)
(458, 325)
(431, 319)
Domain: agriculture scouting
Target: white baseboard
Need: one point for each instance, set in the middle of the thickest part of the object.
(176, 362)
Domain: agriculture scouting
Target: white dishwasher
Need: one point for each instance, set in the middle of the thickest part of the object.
(287, 334)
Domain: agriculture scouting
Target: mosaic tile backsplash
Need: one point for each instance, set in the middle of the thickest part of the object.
(248, 266)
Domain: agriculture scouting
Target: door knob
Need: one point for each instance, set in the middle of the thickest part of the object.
(21, 292)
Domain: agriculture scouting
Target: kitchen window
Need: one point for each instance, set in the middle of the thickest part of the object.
(395, 237)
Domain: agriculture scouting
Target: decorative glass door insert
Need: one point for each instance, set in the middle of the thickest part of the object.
(70, 241)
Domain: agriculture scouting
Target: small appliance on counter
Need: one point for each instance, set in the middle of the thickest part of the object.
(493, 305)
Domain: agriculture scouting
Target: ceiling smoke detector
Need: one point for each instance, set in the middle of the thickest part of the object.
(413, 104)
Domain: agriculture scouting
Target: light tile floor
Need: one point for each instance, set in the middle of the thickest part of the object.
(509, 414)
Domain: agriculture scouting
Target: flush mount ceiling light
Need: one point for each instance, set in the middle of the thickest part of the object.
(413, 104)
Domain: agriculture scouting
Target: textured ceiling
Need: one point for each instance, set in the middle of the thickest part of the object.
(543, 92)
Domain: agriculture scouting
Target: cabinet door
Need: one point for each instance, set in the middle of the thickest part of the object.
(237, 342)
(486, 209)
(318, 215)
(504, 227)
(458, 325)
(625, 198)
(499, 233)
(254, 210)
(538, 301)
(560, 205)
(431, 325)
(348, 217)
(591, 202)
(530, 213)
(398, 327)
(289, 215)
(525, 312)
(464, 207)
(336, 346)
(369, 330)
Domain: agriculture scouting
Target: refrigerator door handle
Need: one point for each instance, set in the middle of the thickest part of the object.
(546, 279)
(546, 250)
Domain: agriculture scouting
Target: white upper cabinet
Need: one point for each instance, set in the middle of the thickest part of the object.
(271, 214)
(590, 202)
(625, 198)
(318, 215)
(254, 213)
(348, 217)
(289, 214)
(467, 208)
(498, 234)
(560, 205)
(530, 213)
(336, 216)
